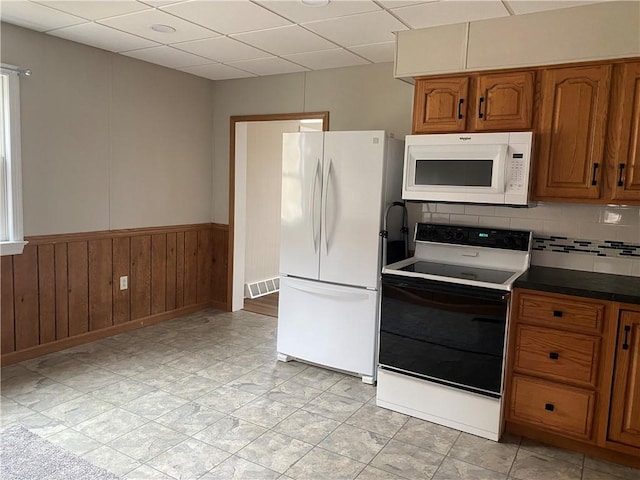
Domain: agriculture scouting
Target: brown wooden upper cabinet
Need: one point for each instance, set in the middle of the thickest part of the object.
(624, 424)
(571, 132)
(439, 105)
(502, 101)
(623, 141)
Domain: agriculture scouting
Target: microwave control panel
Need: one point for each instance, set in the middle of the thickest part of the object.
(517, 176)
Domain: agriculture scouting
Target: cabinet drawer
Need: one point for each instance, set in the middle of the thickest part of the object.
(558, 355)
(561, 312)
(566, 410)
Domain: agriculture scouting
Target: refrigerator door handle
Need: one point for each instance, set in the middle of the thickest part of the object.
(325, 193)
(324, 292)
(312, 207)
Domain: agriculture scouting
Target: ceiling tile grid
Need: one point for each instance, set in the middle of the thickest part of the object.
(224, 39)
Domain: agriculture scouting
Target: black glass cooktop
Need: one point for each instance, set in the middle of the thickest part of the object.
(460, 271)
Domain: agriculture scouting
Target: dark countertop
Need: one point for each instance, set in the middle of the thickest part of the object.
(604, 286)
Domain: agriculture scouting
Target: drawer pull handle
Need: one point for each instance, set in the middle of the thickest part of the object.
(549, 407)
(554, 355)
(557, 313)
(594, 179)
(480, 114)
(625, 345)
(460, 102)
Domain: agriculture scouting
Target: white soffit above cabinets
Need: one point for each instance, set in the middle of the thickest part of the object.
(225, 39)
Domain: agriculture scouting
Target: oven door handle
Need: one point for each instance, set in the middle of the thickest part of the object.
(389, 280)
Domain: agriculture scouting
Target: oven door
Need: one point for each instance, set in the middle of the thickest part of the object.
(448, 333)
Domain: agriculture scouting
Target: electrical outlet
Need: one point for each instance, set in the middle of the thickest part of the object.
(124, 284)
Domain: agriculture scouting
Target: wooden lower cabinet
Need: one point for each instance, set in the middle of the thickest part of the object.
(556, 407)
(573, 373)
(624, 422)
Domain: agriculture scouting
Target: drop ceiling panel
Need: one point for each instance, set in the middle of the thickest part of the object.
(227, 16)
(520, 7)
(402, 3)
(285, 40)
(299, 13)
(36, 17)
(95, 9)
(448, 12)
(217, 71)
(376, 52)
(140, 24)
(104, 37)
(337, 57)
(269, 66)
(167, 57)
(223, 49)
(363, 29)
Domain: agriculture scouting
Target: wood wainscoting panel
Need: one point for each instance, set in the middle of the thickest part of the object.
(220, 248)
(25, 290)
(100, 280)
(121, 268)
(140, 281)
(190, 268)
(62, 291)
(171, 272)
(158, 273)
(78, 281)
(7, 337)
(205, 265)
(64, 288)
(47, 292)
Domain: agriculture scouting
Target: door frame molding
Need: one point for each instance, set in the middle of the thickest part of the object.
(233, 120)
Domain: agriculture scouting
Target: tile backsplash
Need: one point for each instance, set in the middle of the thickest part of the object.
(599, 238)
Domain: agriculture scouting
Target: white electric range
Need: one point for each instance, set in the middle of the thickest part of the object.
(443, 325)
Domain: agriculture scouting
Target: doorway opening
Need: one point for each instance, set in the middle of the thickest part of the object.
(254, 204)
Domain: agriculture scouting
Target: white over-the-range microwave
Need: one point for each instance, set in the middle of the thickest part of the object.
(491, 168)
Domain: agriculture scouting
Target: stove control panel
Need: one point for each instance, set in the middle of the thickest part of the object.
(519, 240)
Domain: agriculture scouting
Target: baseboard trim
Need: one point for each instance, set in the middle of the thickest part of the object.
(56, 346)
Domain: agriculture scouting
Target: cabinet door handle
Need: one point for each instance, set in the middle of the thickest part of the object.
(460, 102)
(594, 180)
(554, 355)
(557, 313)
(625, 345)
(620, 177)
(480, 114)
(549, 407)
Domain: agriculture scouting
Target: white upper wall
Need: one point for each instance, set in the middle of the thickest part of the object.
(357, 98)
(108, 142)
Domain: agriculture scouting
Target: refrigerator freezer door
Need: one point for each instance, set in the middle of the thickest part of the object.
(328, 324)
(352, 193)
(301, 204)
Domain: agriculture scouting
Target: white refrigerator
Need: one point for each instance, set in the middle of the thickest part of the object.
(335, 188)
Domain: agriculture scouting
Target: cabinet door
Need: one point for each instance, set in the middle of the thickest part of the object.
(504, 102)
(440, 105)
(623, 143)
(624, 423)
(571, 132)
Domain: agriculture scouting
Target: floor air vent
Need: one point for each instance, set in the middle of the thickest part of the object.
(263, 287)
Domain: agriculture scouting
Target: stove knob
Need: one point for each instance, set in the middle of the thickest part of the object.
(459, 236)
(434, 235)
(448, 235)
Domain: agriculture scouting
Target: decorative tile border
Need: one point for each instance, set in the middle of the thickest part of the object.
(600, 248)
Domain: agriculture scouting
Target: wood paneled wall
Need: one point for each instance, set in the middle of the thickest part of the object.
(64, 290)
